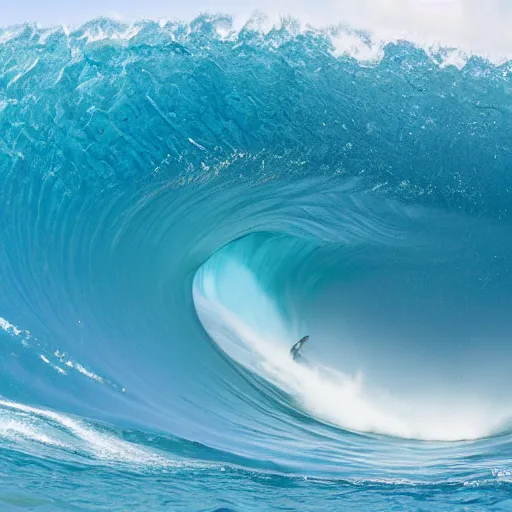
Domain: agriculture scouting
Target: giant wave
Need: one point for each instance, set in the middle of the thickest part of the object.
(181, 202)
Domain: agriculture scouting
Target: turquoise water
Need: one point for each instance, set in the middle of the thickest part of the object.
(180, 203)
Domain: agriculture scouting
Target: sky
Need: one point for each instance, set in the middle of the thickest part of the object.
(476, 26)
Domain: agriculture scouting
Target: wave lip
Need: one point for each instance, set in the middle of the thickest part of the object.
(428, 24)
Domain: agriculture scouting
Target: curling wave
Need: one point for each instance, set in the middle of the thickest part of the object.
(180, 203)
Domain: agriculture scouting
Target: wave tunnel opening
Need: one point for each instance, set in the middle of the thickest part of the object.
(408, 328)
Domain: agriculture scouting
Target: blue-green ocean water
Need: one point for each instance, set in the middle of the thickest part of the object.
(181, 202)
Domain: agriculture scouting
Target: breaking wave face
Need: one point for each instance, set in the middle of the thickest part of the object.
(180, 203)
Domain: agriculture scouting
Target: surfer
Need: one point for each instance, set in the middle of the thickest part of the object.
(295, 351)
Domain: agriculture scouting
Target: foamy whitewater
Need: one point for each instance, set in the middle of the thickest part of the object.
(181, 202)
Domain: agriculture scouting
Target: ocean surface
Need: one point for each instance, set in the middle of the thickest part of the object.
(181, 202)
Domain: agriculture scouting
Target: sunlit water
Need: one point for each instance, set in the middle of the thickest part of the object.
(180, 203)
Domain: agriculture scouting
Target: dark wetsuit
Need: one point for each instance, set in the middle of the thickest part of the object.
(295, 351)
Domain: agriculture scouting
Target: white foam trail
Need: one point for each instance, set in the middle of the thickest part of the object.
(18, 421)
(25, 336)
(78, 367)
(12, 329)
(330, 395)
(55, 367)
(18, 427)
(15, 332)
